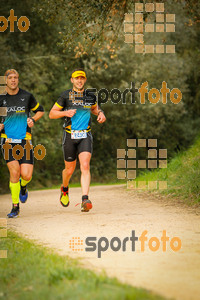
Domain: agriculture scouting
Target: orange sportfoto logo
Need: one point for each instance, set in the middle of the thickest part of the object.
(142, 243)
(23, 22)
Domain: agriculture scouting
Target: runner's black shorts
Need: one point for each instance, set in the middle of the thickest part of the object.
(17, 151)
(73, 147)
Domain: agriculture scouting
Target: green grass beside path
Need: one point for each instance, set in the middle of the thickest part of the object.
(182, 175)
(32, 272)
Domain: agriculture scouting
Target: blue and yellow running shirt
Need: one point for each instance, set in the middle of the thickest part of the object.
(18, 110)
(82, 102)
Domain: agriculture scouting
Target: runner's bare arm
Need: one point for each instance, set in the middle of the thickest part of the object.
(1, 126)
(37, 116)
(56, 113)
(98, 112)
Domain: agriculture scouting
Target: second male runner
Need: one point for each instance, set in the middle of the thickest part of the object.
(16, 134)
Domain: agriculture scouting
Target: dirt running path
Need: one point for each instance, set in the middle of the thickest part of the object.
(117, 212)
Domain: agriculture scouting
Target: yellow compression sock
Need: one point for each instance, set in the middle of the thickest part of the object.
(15, 190)
(24, 182)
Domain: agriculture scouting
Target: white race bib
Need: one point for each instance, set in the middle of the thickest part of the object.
(78, 134)
(16, 141)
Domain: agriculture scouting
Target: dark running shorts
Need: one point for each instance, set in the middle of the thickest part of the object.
(15, 154)
(73, 147)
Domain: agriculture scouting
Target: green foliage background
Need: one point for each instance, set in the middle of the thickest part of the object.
(67, 34)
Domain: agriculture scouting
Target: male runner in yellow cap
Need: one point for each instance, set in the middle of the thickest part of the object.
(16, 133)
(76, 105)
